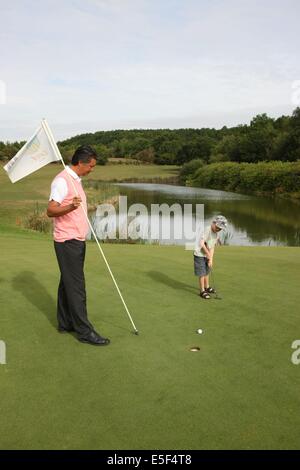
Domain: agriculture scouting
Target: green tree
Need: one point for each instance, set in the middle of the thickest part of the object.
(147, 155)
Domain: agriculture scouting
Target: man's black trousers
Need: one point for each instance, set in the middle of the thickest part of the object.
(71, 299)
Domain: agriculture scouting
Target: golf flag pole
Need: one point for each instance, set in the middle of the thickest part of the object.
(59, 157)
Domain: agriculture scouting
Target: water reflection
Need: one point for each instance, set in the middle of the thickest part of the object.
(252, 220)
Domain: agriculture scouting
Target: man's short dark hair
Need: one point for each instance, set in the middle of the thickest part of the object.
(83, 154)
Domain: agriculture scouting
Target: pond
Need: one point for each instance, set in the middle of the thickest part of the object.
(252, 220)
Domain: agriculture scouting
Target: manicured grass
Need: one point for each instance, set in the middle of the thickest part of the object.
(121, 172)
(241, 390)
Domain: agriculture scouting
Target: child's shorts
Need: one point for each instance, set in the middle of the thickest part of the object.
(201, 266)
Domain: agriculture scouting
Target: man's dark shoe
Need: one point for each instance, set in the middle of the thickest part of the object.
(60, 329)
(95, 339)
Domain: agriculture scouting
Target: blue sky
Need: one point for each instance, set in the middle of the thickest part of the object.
(90, 65)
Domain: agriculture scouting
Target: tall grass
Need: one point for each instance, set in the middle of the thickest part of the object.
(38, 220)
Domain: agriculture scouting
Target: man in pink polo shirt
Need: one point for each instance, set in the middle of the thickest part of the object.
(70, 230)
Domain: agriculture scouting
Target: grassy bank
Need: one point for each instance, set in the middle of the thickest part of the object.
(240, 391)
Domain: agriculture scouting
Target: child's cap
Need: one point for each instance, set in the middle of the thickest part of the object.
(220, 221)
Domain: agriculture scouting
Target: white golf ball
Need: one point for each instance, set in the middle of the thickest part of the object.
(199, 331)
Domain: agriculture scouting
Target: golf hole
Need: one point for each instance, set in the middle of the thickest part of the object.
(195, 349)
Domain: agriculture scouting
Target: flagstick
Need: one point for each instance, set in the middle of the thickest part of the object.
(56, 149)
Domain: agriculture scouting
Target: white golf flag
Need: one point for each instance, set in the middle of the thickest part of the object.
(35, 154)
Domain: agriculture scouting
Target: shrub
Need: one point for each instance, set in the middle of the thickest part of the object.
(188, 169)
(271, 177)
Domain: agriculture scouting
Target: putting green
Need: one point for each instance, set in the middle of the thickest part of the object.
(240, 391)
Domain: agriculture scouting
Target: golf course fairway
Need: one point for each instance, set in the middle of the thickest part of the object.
(240, 391)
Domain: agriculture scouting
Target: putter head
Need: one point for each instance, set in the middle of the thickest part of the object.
(136, 332)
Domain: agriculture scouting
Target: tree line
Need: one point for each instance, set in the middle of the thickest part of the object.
(264, 139)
